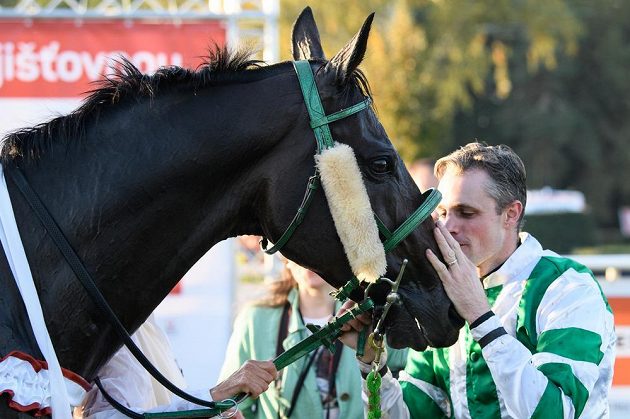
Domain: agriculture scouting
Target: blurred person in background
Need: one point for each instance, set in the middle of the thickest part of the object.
(321, 385)
(422, 173)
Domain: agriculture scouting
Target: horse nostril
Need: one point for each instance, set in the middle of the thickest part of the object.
(456, 320)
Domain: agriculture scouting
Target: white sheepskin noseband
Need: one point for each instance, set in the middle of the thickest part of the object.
(351, 211)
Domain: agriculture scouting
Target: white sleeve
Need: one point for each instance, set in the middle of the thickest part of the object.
(126, 381)
(179, 404)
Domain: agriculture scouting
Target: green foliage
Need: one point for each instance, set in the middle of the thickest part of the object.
(570, 124)
(428, 59)
(8, 3)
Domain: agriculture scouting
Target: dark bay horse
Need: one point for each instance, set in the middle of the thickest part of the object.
(153, 170)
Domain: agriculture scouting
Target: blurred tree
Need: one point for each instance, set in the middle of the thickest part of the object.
(571, 121)
(428, 59)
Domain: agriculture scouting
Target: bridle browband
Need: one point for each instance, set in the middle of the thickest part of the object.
(323, 137)
(319, 124)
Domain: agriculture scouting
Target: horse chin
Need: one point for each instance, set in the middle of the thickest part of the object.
(420, 322)
(409, 335)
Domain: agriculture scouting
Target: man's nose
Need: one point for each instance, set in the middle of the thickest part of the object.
(450, 223)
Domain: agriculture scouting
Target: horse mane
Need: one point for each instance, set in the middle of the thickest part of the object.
(128, 83)
(222, 65)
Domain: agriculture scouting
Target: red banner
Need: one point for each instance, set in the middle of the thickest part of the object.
(58, 58)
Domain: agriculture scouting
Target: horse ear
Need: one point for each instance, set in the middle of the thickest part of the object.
(305, 38)
(351, 55)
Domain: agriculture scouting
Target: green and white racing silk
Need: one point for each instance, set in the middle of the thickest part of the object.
(556, 360)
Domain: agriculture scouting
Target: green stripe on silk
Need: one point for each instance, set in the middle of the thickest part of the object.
(420, 366)
(442, 370)
(481, 392)
(545, 272)
(562, 376)
(419, 404)
(493, 293)
(430, 366)
(573, 343)
(550, 404)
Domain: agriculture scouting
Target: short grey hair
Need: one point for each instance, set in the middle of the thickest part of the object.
(504, 167)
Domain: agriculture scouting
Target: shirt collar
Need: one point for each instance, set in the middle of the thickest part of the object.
(528, 252)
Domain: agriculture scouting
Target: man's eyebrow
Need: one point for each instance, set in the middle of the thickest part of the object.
(458, 207)
(465, 206)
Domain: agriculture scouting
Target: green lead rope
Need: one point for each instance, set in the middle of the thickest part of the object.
(323, 336)
(373, 380)
(377, 341)
(373, 383)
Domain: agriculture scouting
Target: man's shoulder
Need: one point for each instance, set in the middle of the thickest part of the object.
(557, 281)
(551, 267)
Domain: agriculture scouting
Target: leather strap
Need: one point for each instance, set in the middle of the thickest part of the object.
(311, 186)
(300, 381)
(319, 119)
(323, 336)
(432, 198)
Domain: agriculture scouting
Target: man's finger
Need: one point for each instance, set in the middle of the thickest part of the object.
(439, 267)
(452, 243)
(447, 252)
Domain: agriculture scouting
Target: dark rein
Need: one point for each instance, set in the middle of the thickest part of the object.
(325, 335)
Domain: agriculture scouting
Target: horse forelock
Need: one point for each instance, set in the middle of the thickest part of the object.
(356, 80)
(127, 82)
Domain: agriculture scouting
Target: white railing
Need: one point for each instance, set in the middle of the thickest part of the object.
(613, 272)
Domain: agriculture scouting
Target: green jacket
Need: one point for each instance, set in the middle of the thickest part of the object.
(255, 336)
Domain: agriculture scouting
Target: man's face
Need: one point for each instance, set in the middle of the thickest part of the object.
(470, 215)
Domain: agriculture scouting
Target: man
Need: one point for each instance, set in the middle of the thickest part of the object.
(539, 339)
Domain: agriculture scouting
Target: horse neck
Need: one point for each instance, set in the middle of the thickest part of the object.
(150, 203)
(204, 187)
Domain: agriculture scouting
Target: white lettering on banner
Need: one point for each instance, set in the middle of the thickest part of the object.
(6, 57)
(47, 57)
(29, 62)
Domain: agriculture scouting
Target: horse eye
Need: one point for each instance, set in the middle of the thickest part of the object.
(381, 166)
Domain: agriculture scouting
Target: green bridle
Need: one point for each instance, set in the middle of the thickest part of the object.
(323, 137)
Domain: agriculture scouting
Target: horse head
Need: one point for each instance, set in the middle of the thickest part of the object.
(425, 315)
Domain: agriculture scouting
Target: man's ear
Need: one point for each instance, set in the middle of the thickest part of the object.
(305, 40)
(513, 213)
